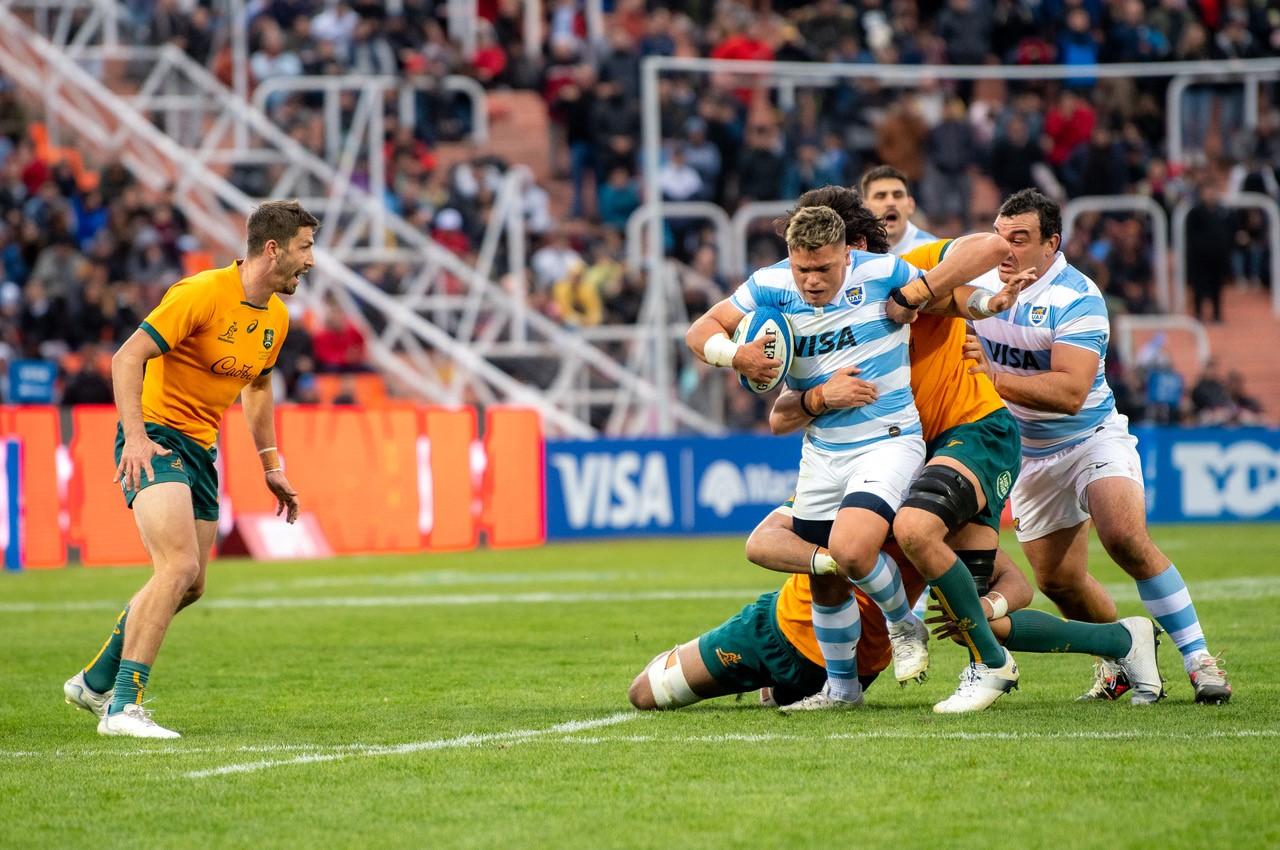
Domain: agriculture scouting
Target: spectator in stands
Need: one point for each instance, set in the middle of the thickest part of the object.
(1210, 397)
(1078, 45)
(1164, 392)
(273, 60)
(702, 155)
(1069, 124)
(88, 385)
(761, 168)
(338, 344)
(577, 298)
(618, 199)
(336, 25)
(965, 29)
(1014, 156)
(1209, 233)
(1248, 410)
(554, 260)
(952, 154)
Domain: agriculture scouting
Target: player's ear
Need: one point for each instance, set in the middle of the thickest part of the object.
(1055, 242)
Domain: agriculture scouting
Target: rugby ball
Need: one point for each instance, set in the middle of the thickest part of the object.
(770, 323)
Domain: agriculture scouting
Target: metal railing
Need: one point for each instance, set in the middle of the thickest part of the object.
(1238, 201)
(1127, 325)
(1076, 207)
(446, 310)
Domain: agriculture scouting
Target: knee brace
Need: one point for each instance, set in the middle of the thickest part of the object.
(945, 493)
(669, 687)
(982, 564)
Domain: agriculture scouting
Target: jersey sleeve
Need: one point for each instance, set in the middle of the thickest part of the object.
(746, 296)
(182, 311)
(276, 347)
(1083, 323)
(928, 256)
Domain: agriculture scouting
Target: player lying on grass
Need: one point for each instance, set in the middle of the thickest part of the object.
(859, 456)
(1005, 594)
(770, 644)
(214, 338)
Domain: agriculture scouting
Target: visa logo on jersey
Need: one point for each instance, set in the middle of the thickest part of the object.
(615, 490)
(824, 343)
(1014, 358)
(1241, 479)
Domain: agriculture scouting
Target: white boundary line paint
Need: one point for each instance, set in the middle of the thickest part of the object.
(471, 740)
(905, 735)
(1249, 587)
(430, 578)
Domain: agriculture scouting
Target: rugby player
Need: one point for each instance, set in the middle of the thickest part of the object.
(215, 336)
(887, 193)
(859, 458)
(1046, 358)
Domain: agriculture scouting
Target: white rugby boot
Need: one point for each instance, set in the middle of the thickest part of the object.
(823, 700)
(910, 638)
(1110, 682)
(980, 686)
(1140, 665)
(133, 721)
(78, 693)
(1210, 681)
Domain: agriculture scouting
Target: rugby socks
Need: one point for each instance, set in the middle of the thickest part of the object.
(958, 597)
(838, 628)
(1038, 631)
(884, 586)
(131, 681)
(100, 673)
(1168, 601)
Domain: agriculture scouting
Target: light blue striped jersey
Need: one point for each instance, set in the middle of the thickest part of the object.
(1063, 307)
(850, 331)
(912, 238)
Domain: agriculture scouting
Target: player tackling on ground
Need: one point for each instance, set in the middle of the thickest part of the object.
(214, 337)
(1046, 359)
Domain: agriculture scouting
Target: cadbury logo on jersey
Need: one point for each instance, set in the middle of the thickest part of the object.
(1015, 358)
(824, 343)
(229, 367)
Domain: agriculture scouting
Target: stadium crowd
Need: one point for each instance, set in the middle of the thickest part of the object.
(86, 261)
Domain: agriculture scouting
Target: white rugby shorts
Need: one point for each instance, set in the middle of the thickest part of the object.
(884, 469)
(1051, 492)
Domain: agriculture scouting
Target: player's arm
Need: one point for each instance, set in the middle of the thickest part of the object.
(794, 410)
(1009, 591)
(1061, 389)
(709, 339)
(258, 399)
(974, 302)
(774, 546)
(966, 258)
(127, 366)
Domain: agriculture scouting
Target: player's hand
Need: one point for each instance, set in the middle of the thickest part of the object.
(843, 390)
(286, 496)
(895, 312)
(136, 458)
(973, 351)
(1005, 298)
(750, 360)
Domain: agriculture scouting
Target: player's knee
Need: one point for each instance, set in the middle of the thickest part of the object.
(914, 529)
(854, 559)
(181, 575)
(194, 592)
(640, 694)
(1058, 587)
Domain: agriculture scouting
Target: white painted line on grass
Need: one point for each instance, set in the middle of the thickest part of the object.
(906, 735)
(421, 746)
(1251, 587)
(428, 578)
(410, 601)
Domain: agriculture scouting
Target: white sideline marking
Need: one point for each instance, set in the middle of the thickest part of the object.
(904, 735)
(1249, 587)
(415, 600)
(428, 578)
(421, 746)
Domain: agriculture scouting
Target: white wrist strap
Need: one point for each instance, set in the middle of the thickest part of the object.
(999, 605)
(979, 303)
(719, 350)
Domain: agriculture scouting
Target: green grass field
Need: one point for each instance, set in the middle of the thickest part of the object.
(479, 700)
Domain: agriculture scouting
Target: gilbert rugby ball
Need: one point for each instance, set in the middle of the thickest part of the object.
(770, 323)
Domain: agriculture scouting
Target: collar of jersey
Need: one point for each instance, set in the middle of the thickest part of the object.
(1055, 268)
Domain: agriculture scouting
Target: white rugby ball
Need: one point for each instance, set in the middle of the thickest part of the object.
(770, 323)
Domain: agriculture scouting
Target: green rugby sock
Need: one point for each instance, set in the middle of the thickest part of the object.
(100, 673)
(955, 590)
(131, 681)
(1037, 631)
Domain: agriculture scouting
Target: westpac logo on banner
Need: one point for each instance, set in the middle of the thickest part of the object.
(726, 486)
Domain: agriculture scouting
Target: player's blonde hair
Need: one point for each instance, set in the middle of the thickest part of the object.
(812, 228)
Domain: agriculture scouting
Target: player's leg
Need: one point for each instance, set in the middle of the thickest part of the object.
(674, 679)
(1118, 504)
(164, 515)
(1060, 560)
